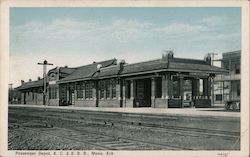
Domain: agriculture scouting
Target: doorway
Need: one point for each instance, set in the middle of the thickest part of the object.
(143, 93)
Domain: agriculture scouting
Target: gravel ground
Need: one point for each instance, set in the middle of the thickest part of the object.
(24, 138)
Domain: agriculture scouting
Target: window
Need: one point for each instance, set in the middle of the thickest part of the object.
(218, 97)
(102, 89)
(88, 89)
(238, 89)
(107, 89)
(237, 69)
(158, 83)
(225, 64)
(175, 88)
(63, 92)
(52, 92)
(113, 85)
(79, 90)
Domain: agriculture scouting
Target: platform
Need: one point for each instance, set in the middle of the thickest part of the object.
(216, 111)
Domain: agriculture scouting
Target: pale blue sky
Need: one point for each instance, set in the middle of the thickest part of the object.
(78, 36)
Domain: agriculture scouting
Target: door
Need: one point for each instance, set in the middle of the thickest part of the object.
(143, 93)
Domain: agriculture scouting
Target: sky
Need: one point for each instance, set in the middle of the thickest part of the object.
(79, 36)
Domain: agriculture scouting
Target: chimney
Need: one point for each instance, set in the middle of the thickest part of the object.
(30, 80)
(207, 59)
(168, 54)
(121, 64)
(38, 78)
(22, 82)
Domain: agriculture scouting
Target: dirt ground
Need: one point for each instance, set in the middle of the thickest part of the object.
(21, 136)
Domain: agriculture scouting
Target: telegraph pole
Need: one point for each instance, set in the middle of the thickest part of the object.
(45, 63)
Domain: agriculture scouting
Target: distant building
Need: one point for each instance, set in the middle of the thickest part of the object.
(32, 91)
(167, 82)
(227, 86)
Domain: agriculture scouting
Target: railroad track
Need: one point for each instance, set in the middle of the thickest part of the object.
(82, 129)
(98, 140)
(162, 128)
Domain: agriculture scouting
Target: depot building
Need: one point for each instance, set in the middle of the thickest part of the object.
(167, 82)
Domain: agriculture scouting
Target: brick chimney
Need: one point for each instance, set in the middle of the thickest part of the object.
(121, 64)
(22, 82)
(208, 59)
(168, 54)
(30, 80)
(38, 78)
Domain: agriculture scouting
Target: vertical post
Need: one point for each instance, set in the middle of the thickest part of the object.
(94, 90)
(169, 90)
(181, 84)
(205, 88)
(44, 84)
(84, 90)
(195, 89)
(164, 87)
(153, 90)
(45, 63)
(124, 93)
(132, 90)
(212, 92)
(118, 89)
(223, 97)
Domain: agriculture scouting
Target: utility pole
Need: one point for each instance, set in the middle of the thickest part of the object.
(45, 63)
(212, 102)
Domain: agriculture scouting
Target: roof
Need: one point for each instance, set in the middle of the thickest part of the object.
(231, 54)
(147, 66)
(110, 68)
(190, 65)
(109, 71)
(175, 64)
(64, 71)
(86, 72)
(32, 84)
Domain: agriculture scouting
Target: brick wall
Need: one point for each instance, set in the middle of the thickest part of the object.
(53, 102)
(109, 103)
(39, 99)
(200, 103)
(160, 103)
(85, 103)
(128, 103)
(174, 103)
